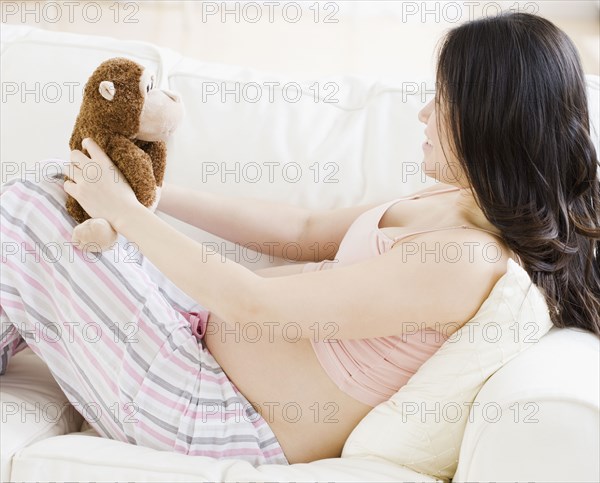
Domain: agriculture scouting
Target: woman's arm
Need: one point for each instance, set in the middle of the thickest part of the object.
(394, 293)
(216, 282)
(437, 280)
(328, 227)
(246, 221)
(385, 295)
(280, 229)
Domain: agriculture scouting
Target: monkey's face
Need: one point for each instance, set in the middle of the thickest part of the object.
(162, 111)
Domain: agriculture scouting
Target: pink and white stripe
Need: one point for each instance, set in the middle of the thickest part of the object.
(124, 343)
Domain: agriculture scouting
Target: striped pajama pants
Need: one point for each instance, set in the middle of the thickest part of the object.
(122, 341)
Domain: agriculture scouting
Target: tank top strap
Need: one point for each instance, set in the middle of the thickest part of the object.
(385, 206)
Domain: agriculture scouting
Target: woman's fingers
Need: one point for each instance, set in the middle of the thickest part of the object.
(74, 166)
(75, 173)
(96, 163)
(96, 155)
(77, 157)
(70, 188)
(94, 186)
(94, 150)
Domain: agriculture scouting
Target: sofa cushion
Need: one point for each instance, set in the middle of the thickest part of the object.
(33, 408)
(82, 457)
(43, 75)
(366, 129)
(422, 425)
(321, 143)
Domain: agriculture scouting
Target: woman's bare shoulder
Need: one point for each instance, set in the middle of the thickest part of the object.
(438, 186)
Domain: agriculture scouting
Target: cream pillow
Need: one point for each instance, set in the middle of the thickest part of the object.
(422, 425)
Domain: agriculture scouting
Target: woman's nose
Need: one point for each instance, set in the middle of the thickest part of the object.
(426, 112)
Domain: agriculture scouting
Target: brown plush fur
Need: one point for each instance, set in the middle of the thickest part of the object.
(113, 124)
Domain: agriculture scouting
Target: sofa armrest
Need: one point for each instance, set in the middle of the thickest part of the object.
(538, 417)
(33, 408)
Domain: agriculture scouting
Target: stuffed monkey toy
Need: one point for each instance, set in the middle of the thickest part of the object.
(130, 119)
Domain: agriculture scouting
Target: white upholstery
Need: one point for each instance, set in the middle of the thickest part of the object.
(366, 145)
(373, 138)
(542, 415)
(33, 408)
(422, 425)
(80, 457)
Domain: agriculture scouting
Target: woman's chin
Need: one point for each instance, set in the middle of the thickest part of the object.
(428, 169)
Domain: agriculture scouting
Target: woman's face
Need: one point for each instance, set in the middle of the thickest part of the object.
(439, 164)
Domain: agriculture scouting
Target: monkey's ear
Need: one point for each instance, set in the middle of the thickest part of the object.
(107, 90)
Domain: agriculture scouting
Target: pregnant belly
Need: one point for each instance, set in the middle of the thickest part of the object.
(283, 379)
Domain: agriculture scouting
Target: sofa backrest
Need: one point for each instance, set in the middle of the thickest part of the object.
(324, 143)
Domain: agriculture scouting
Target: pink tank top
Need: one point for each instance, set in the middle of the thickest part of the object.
(372, 370)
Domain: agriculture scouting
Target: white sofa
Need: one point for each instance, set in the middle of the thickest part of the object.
(367, 148)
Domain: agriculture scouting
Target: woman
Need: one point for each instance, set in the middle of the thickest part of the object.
(315, 346)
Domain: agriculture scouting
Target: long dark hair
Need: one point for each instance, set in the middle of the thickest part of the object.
(514, 99)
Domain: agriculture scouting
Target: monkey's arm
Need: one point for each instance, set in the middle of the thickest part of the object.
(158, 153)
(136, 166)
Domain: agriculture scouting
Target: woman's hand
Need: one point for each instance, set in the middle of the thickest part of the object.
(98, 185)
